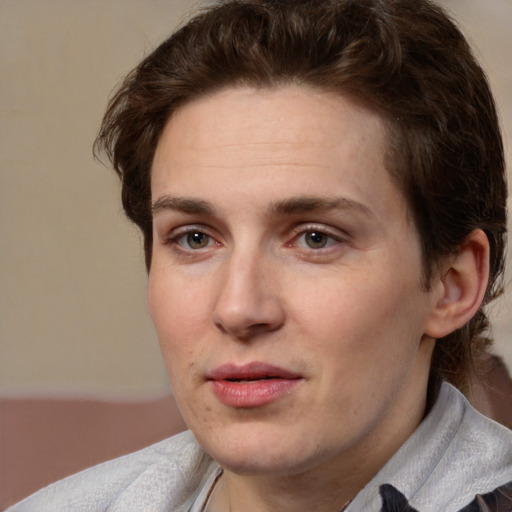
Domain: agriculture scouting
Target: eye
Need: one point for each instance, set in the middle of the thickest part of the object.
(194, 240)
(315, 239)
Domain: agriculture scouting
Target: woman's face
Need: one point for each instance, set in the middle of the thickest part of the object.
(285, 284)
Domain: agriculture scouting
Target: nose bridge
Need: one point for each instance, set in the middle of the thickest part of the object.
(243, 269)
(248, 299)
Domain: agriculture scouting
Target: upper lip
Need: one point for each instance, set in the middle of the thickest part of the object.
(250, 371)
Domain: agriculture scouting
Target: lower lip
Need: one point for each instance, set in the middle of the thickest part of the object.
(255, 393)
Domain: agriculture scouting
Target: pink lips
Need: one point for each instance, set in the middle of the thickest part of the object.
(251, 385)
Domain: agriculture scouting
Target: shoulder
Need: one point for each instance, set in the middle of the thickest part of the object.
(164, 476)
(457, 460)
(469, 457)
(477, 442)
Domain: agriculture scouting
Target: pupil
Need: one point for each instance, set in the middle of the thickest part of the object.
(316, 239)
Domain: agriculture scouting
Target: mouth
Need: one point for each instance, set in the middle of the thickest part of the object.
(251, 371)
(270, 377)
(252, 385)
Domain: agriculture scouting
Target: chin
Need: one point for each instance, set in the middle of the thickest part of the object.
(265, 452)
(261, 464)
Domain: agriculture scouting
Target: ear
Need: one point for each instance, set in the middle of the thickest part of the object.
(460, 289)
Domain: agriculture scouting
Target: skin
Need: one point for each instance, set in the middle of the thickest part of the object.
(327, 287)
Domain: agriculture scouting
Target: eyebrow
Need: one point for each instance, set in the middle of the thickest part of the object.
(296, 205)
(290, 206)
(182, 204)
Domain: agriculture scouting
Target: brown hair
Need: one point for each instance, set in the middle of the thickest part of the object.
(403, 58)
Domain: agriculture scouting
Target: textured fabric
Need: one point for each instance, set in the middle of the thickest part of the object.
(201, 501)
(166, 476)
(456, 461)
(454, 455)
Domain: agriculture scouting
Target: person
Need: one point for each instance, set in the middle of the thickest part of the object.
(321, 190)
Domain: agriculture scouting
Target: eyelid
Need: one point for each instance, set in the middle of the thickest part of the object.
(176, 234)
(334, 233)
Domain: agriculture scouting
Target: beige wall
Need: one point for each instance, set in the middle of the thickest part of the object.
(72, 291)
(72, 285)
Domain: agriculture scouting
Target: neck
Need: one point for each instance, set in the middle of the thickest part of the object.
(272, 495)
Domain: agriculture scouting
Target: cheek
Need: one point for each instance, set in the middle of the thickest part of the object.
(175, 303)
(177, 316)
(363, 320)
(365, 342)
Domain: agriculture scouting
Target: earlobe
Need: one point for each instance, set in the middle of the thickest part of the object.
(459, 291)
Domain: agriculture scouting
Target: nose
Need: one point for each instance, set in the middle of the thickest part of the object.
(248, 304)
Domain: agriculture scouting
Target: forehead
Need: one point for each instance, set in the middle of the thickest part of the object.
(301, 140)
(277, 117)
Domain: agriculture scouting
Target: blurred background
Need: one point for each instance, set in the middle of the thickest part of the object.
(81, 378)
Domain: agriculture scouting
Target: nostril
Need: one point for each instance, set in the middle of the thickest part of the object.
(221, 328)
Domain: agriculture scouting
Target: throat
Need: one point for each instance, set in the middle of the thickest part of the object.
(218, 500)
